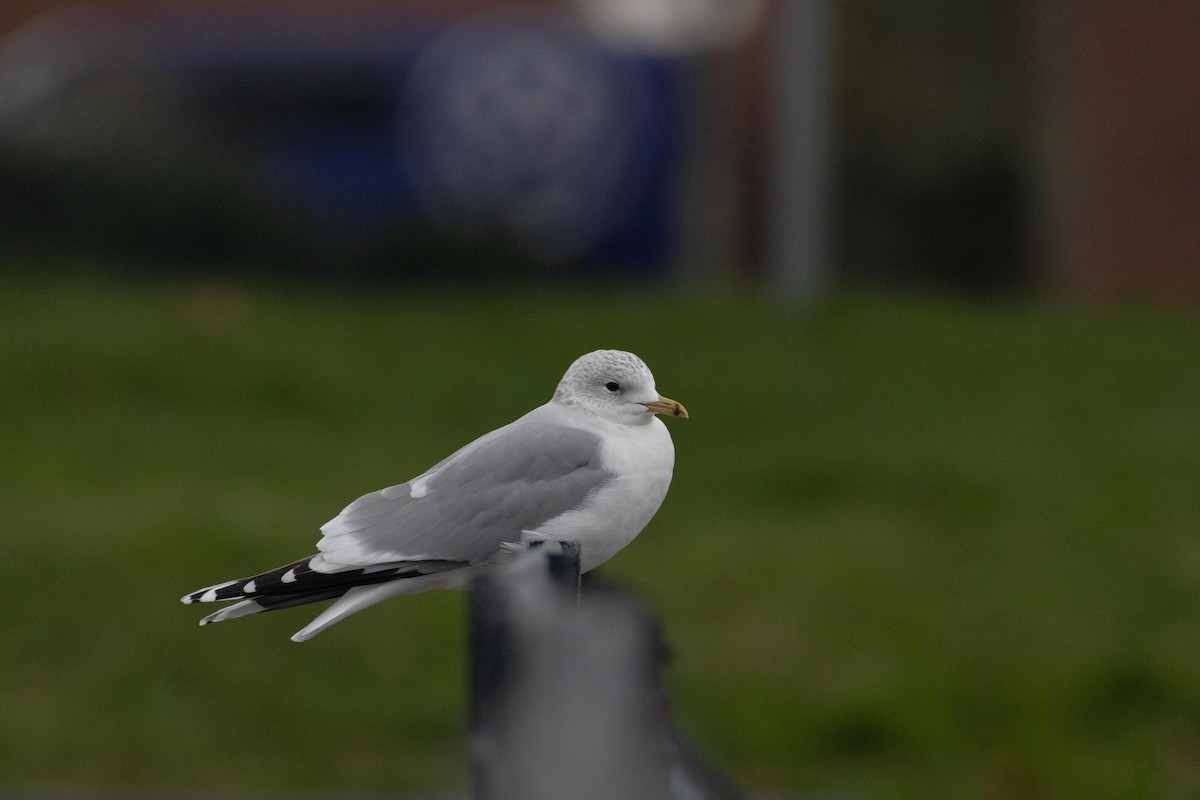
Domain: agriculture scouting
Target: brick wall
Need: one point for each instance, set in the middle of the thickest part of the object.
(1122, 151)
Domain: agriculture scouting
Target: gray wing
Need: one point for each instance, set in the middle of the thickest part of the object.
(464, 508)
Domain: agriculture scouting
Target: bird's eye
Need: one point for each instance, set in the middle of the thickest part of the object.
(613, 386)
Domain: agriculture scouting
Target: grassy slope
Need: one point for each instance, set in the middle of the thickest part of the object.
(913, 549)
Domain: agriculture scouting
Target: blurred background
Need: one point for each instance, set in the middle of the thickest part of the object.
(924, 273)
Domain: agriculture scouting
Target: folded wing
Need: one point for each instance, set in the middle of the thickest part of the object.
(512, 480)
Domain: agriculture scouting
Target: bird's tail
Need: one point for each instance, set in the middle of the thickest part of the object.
(298, 584)
(360, 597)
(257, 605)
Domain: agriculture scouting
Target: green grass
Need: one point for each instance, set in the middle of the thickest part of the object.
(915, 548)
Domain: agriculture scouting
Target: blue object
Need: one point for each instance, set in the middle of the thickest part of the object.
(524, 125)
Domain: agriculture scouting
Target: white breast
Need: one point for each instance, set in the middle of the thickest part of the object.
(642, 458)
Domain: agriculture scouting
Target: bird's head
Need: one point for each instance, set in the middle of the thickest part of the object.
(617, 386)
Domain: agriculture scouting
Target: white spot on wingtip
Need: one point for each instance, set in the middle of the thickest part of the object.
(289, 576)
(250, 587)
(208, 595)
(187, 598)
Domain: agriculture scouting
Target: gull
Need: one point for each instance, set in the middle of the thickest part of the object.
(592, 466)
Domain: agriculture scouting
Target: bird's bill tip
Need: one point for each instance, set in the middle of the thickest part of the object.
(665, 405)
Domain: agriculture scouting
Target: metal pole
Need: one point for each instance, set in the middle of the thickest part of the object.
(567, 699)
(494, 661)
(801, 152)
